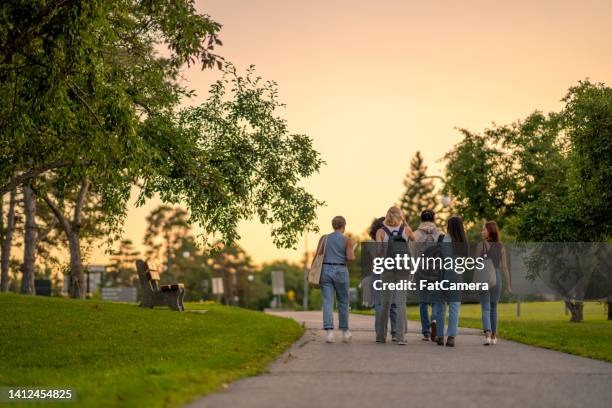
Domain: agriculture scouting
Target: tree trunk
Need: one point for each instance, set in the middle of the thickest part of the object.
(30, 238)
(575, 309)
(73, 232)
(7, 242)
(77, 281)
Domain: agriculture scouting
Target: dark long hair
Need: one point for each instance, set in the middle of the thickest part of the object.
(377, 224)
(493, 231)
(494, 240)
(457, 233)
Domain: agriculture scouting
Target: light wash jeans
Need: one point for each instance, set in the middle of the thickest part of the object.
(392, 318)
(439, 315)
(424, 312)
(334, 279)
(488, 305)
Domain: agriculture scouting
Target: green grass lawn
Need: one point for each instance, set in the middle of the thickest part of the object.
(545, 324)
(122, 355)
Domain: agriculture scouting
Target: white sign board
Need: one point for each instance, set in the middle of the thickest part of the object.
(217, 286)
(278, 283)
(119, 294)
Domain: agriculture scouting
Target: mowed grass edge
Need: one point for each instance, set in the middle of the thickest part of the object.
(123, 355)
(542, 324)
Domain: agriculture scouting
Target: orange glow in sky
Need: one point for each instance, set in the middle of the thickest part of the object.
(373, 82)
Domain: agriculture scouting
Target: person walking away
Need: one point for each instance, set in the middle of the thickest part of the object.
(425, 236)
(392, 240)
(339, 249)
(376, 295)
(492, 247)
(454, 245)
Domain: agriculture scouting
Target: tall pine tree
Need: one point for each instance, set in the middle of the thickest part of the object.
(420, 192)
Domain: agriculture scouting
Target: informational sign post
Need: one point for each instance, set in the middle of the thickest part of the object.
(278, 286)
(217, 288)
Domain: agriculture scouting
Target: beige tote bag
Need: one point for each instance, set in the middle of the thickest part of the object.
(314, 275)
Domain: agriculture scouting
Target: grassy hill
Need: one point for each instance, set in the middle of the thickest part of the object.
(122, 355)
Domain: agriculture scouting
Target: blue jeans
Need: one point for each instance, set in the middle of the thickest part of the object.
(488, 305)
(392, 317)
(439, 315)
(334, 279)
(424, 312)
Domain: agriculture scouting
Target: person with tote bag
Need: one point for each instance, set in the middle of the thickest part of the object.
(496, 264)
(333, 252)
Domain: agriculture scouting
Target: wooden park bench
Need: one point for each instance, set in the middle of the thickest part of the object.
(154, 294)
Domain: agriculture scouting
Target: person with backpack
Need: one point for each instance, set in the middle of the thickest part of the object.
(367, 287)
(491, 247)
(454, 244)
(391, 241)
(426, 236)
(337, 250)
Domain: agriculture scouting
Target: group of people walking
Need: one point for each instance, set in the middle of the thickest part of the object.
(392, 231)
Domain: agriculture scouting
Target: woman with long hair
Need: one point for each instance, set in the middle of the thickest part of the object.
(492, 248)
(454, 244)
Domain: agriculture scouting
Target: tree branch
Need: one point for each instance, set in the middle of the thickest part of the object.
(50, 227)
(77, 91)
(33, 173)
(80, 201)
(58, 213)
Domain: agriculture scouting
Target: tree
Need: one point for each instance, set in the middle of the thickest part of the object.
(546, 179)
(30, 238)
(167, 227)
(98, 109)
(82, 76)
(419, 191)
(122, 270)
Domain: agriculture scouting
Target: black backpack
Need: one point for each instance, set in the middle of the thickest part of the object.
(434, 272)
(397, 244)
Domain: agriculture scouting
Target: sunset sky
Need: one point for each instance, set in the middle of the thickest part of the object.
(373, 82)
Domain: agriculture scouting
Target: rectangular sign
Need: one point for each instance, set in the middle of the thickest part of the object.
(217, 286)
(278, 283)
(120, 294)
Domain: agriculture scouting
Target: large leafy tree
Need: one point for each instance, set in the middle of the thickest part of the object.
(90, 103)
(545, 179)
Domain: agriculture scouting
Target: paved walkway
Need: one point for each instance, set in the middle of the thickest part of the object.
(420, 374)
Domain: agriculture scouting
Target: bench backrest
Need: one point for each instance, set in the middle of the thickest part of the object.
(149, 278)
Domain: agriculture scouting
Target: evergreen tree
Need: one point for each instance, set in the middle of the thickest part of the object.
(420, 192)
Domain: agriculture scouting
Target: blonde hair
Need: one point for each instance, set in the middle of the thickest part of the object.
(393, 217)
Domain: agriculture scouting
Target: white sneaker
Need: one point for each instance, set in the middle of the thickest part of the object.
(493, 340)
(487, 341)
(346, 336)
(330, 336)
